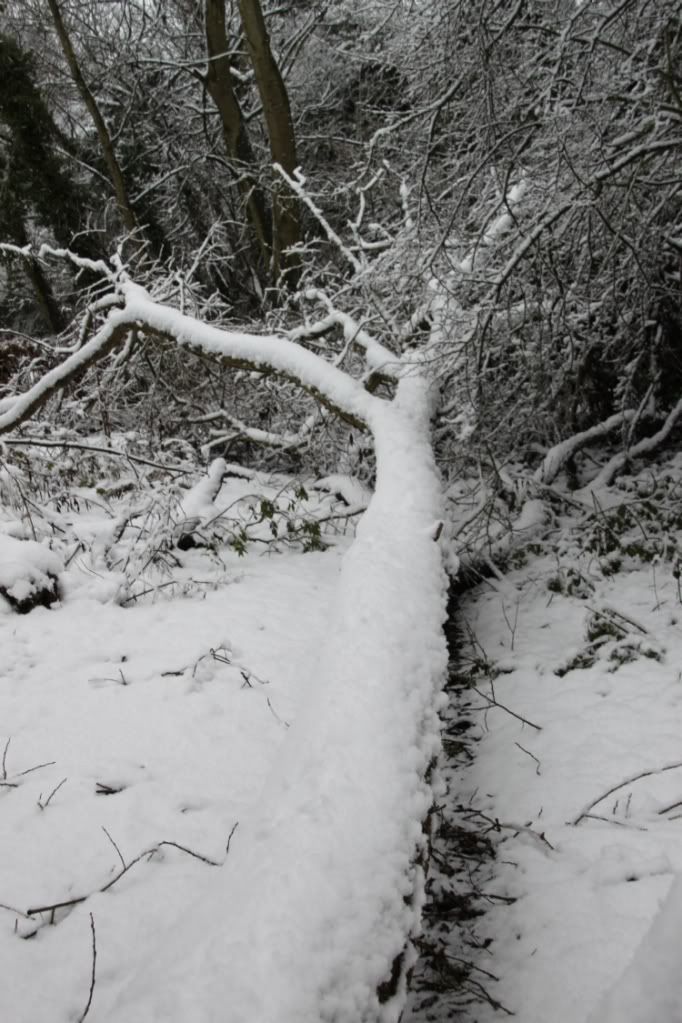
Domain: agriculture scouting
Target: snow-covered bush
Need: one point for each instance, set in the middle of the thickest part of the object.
(29, 573)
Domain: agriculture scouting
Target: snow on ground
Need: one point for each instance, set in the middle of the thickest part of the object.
(577, 659)
(148, 734)
(124, 730)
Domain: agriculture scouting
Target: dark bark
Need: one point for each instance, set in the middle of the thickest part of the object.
(125, 208)
(42, 289)
(280, 127)
(220, 88)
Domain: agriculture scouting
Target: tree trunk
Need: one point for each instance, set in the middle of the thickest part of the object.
(122, 201)
(47, 303)
(277, 113)
(237, 144)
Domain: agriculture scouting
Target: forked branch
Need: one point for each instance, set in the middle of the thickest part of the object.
(333, 388)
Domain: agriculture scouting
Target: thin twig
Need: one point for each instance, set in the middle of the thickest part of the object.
(229, 837)
(29, 770)
(120, 854)
(56, 905)
(497, 825)
(612, 820)
(609, 613)
(628, 781)
(11, 909)
(673, 806)
(4, 759)
(146, 853)
(55, 790)
(86, 1010)
(495, 703)
(276, 715)
(41, 443)
(197, 856)
(531, 755)
(472, 966)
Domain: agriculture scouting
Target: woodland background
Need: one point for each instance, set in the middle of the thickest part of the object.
(150, 130)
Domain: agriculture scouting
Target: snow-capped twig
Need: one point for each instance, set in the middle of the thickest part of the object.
(94, 265)
(498, 227)
(260, 436)
(379, 358)
(296, 184)
(268, 354)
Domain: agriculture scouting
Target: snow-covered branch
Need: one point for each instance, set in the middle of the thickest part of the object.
(239, 349)
(643, 447)
(260, 436)
(296, 184)
(97, 266)
(378, 358)
(557, 456)
(496, 229)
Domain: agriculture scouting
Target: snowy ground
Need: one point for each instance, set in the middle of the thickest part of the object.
(577, 773)
(138, 732)
(155, 724)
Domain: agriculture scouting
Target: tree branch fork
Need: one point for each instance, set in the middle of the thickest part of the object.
(130, 308)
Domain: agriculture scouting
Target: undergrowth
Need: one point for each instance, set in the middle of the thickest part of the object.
(449, 979)
(146, 530)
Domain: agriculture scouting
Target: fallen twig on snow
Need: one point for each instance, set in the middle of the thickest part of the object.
(497, 825)
(493, 702)
(531, 755)
(276, 715)
(120, 854)
(585, 812)
(609, 613)
(93, 973)
(5, 783)
(55, 790)
(52, 907)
